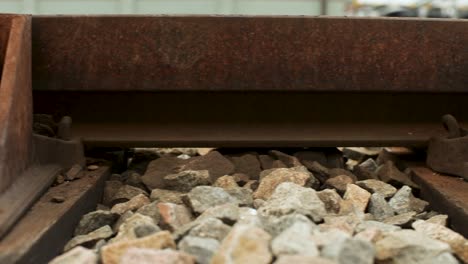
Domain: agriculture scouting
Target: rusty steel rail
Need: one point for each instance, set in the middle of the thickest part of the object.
(250, 81)
(28, 163)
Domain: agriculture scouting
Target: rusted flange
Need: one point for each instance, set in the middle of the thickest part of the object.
(449, 154)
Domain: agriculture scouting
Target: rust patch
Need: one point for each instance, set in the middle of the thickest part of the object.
(177, 53)
(446, 194)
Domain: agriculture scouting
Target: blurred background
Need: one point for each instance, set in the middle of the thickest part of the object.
(395, 8)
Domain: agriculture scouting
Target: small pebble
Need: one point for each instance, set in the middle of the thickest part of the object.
(58, 199)
(93, 167)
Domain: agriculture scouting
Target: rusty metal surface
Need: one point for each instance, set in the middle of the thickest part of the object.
(47, 226)
(446, 194)
(262, 119)
(449, 153)
(15, 100)
(164, 53)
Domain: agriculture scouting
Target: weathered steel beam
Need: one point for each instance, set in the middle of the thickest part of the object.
(213, 53)
(15, 98)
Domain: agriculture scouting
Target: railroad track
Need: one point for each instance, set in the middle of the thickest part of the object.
(217, 82)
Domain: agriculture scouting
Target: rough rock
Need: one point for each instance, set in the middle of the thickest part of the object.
(201, 198)
(379, 207)
(360, 153)
(134, 203)
(226, 182)
(300, 259)
(371, 224)
(173, 216)
(296, 239)
(257, 203)
(201, 248)
(243, 196)
(158, 168)
(78, 255)
(126, 193)
(228, 213)
(266, 162)
(184, 181)
(121, 220)
(210, 228)
(310, 156)
(389, 173)
(276, 225)
(249, 216)
(145, 230)
(74, 172)
(289, 198)
(241, 178)
(355, 196)
(345, 223)
(111, 253)
(244, 244)
(251, 185)
(110, 189)
(371, 234)
(339, 183)
(404, 201)
(338, 171)
(89, 239)
(247, 164)
(127, 229)
(166, 196)
(324, 238)
(214, 162)
(94, 220)
(151, 256)
(134, 179)
(331, 199)
(320, 172)
(376, 186)
(457, 242)
(350, 251)
(150, 210)
(268, 184)
(438, 219)
(288, 160)
(401, 219)
(408, 246)
(366, 170)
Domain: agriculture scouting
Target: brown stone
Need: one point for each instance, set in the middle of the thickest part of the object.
(297, 175)
(166, 196)
(331, 199)
(112, 253)
(266, 162)
(288, 160)
(244, 244)
(173, 216)
(150, 256)
(125, 193)
(376, 186)
(214, 162)
(339, 183)
(132, 205)
(184, 181)
(158, 168)
(226, 182)
(247, 164)
(389, 173)
(358, 197)
(110, 189)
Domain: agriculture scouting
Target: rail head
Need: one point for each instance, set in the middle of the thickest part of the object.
(249, 53)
